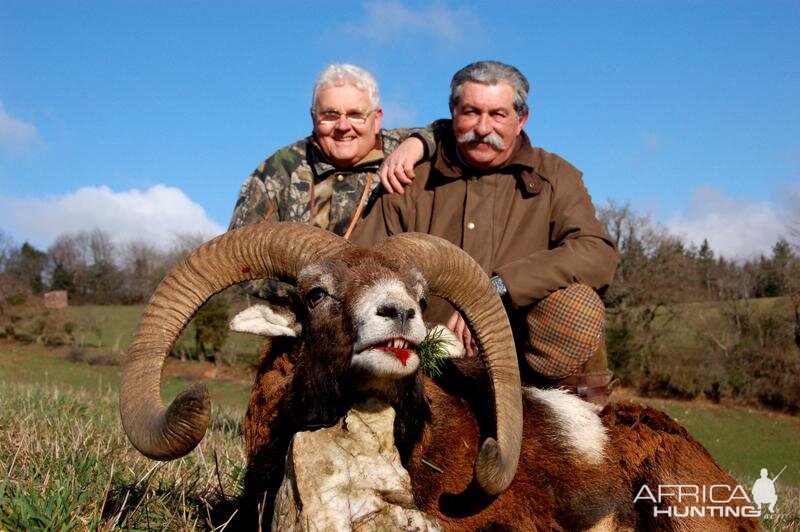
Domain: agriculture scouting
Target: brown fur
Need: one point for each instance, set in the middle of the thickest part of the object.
(552, 490)
(439, 425)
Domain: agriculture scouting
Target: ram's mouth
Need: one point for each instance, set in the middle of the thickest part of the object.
(401, 348)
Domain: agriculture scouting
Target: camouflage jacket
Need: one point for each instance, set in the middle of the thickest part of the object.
(280, 190)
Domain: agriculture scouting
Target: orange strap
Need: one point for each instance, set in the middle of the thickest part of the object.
(360, 208)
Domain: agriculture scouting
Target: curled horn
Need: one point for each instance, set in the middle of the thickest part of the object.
(253, 252)
(453, 275)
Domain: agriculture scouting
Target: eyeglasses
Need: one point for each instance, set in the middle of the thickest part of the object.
(357, 118)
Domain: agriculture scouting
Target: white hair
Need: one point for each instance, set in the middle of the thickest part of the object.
(345, 74)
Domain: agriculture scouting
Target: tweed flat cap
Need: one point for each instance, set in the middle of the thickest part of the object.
(565, 329)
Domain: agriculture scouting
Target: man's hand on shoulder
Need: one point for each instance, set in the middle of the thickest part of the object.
(397, 171)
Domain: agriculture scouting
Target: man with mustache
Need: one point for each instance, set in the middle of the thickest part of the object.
(523, 214)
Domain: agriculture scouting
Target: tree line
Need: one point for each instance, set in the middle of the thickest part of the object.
(682, 320)
(686, 322)
(656, 267)
(89, 266)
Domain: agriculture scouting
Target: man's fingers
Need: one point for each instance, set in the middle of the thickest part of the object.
(458, 325)
(384, 176)
(408, 172)
(463, 332)
(461, 326)
(389, 180)
(468, 342)
(397, 171)
(451, 322)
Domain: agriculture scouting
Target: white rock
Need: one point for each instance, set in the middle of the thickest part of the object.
(348, 477)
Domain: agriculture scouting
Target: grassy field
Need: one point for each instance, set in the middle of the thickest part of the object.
(66, 464)
(110, 328)
(688, 326)
(743, 440)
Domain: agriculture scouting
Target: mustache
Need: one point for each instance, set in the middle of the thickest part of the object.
(492, 139)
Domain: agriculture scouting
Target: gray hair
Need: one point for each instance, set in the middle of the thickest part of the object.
(344, 74)
(492, 73)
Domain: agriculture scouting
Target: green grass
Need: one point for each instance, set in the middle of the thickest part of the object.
(112, 327)
(108, 326)
(65, 462)
(686, 326)
(35, 365)
(742, 440)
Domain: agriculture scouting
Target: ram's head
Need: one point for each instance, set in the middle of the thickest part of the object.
(362, 306)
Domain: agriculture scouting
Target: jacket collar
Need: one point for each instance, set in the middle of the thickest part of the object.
(521, 164)
(322, 166)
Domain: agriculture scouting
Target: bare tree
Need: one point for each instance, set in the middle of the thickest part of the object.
(85, 264)
(654, 271)
(143, 266)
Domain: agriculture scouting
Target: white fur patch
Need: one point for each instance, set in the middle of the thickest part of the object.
(452, 345)
(577, 421)
(371, 328)
(263, 321)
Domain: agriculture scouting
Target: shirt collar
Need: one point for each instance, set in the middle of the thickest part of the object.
(521, 164)
(323, 167)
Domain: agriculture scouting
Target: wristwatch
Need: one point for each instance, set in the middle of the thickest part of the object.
(500, 287)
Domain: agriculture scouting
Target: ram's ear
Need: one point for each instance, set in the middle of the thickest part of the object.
(452, 346)
(264, 320)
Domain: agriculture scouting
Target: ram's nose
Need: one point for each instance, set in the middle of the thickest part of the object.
(393, 311)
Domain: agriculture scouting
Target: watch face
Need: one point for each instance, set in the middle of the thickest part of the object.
(499, 285)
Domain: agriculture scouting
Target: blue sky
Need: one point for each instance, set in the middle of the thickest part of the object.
(143, 118)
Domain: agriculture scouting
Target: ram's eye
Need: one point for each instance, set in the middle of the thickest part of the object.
(314, 296)
(423, 304)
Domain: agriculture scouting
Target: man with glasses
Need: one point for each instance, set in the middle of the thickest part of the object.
(329, 178)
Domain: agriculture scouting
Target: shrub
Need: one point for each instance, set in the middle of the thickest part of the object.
(54, 340)
(76, 355)
(24, 338)
(16, 299)
(211, 326)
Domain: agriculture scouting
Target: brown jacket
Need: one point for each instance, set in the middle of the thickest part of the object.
(531, 221)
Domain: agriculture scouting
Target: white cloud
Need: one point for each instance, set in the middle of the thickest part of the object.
(156, 215)
(16, 136)
(735, 229)
(388, 21)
